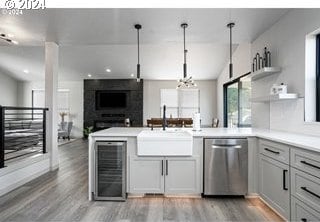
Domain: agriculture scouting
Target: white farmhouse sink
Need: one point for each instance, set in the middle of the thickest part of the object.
(171, 142)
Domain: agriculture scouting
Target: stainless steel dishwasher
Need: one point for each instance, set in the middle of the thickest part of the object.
(225, 166)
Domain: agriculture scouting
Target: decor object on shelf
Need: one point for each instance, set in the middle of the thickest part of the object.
(278, 89)
(63, 114)
(260, 62)
(138, 27)
(185, 82)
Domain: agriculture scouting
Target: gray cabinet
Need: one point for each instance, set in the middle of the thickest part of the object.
(274, 184)
(146, 175)
(169, 175)
(302, 212)
(183, 175)
(305, 183)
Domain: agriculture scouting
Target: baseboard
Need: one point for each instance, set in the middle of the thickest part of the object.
(271, 208)
(132, 195)
(183, 195)
(252, 195)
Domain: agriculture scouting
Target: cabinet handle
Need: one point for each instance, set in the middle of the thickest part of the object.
(309, 164)
(167, 167)
(303, 219)
(284, 180)
(309, 191)
(272, 151)
(162, 167)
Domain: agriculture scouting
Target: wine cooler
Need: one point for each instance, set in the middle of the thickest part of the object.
(110, 170)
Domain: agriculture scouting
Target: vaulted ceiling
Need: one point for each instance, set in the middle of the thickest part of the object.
(92, 40)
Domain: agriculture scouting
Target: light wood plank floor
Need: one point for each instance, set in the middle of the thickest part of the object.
(62, 196)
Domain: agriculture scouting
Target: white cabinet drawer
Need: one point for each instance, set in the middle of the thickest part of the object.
(274, 150)
(306, 188)
(302, 212)
(307, 161)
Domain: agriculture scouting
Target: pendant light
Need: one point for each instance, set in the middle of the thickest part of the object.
(185, 82)
(230, 26)
(138, 27)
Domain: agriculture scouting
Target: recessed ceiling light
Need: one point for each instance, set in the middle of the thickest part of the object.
(15, 42)
(89, 75)
(26, 71)
(108, 70)
(132, 75)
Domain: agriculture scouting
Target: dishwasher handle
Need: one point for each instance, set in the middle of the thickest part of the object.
(226, 147)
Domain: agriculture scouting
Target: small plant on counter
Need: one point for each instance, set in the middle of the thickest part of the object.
(87, 131)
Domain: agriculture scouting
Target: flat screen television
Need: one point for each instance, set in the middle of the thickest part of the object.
(110, 99)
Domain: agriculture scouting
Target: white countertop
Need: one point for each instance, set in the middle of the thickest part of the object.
(293, 139)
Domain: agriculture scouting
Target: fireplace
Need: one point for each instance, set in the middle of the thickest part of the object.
(107, 103)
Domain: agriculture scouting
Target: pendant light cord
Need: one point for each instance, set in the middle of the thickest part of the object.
(138, 45)
(184, 44)
(231, 44)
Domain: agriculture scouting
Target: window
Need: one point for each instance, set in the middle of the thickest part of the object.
(38, 99)
(318, 78)
(237, 106)
(182, 103)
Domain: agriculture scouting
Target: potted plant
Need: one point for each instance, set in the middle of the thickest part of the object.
(87, 131)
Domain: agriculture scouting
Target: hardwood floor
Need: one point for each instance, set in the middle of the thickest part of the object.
(62, 196)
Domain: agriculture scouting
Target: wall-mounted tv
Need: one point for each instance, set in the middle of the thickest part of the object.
(111, 99)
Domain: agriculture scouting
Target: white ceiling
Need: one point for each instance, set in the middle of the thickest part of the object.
(93, 39)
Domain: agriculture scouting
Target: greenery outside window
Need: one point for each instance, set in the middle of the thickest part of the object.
(237, 106)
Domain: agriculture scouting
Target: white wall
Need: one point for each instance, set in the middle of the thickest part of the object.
(241, 65)
(8, 90)
(151, 98)
(286, 39)
(75, 101)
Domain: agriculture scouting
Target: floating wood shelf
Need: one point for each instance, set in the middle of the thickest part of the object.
(275, 98)
(266, 71)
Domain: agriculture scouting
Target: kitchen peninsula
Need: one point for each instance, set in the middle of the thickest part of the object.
(144, 174)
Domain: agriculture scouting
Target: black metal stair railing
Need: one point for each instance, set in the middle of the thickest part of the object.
(22, 132)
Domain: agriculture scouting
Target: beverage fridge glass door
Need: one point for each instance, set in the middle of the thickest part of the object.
(110, 171)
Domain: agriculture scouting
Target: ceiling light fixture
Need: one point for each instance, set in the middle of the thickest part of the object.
(108, 70)
(8, 39)
(132, 75)
(138, 27)
(26, 71)
(186, 82)
(89, 75)
(230, 26)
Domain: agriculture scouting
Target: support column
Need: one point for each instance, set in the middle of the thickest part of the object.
(51, 97)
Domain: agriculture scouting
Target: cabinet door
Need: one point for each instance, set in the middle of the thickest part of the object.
(302, 212)
(274, 184)
(146, 175)
(182, 175)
